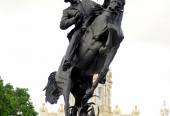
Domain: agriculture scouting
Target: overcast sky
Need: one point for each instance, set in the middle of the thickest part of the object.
(32, 45)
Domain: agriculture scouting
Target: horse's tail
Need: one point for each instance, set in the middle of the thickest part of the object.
(52, 90)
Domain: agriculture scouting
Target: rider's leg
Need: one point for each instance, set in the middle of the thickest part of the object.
(71, 50)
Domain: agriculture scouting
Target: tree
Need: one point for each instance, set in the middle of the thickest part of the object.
(15, 102)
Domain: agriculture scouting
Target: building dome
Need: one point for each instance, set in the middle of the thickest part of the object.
(43, 108)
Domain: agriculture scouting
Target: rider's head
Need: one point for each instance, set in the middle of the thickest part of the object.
(71, 1)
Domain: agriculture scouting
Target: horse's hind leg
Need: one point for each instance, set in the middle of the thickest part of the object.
(66, 106)
(66, 93)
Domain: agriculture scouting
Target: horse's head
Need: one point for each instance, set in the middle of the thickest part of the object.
(116, 6)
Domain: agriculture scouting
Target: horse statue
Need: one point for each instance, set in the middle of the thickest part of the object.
(96, 50)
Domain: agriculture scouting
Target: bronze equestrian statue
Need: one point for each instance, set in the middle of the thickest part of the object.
(93, 44)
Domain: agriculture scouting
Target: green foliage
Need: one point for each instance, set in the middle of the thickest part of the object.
(15, 102)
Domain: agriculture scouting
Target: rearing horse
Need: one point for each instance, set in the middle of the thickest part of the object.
(96, 50)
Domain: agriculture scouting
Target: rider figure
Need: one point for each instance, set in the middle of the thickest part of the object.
(80, 14)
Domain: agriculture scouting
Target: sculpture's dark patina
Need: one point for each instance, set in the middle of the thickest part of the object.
(93, 44)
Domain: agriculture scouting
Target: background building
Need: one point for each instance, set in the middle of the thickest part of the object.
(164, 110)
(103, 101)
